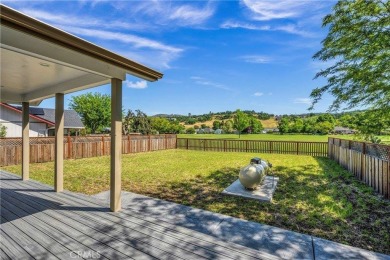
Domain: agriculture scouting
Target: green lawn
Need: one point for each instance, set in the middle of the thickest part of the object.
(315, 196)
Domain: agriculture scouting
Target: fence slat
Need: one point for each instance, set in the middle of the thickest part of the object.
(254, 146)
(42, 148)
(368, 162)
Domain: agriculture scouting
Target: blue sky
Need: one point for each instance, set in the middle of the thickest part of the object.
(215, 55)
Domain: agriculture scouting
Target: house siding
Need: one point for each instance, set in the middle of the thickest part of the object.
(12, 120)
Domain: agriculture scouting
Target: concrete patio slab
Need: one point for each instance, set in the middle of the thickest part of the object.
(264, 192)
(279, 242)
(325, 249)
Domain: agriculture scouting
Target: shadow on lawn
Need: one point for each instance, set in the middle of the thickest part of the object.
(318, 199)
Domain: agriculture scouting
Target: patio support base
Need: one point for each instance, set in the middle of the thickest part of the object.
(25, 140)
(116, 144)
(59, 144)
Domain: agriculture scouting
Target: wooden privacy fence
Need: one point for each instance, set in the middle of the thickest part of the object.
(369, 162)
(254, 146)
(42, 148)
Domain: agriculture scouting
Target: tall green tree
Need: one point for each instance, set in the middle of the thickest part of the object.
(94, 110)
(137, 122)
(284, 125)
(255, 125)
(358, 45)
(240, 121)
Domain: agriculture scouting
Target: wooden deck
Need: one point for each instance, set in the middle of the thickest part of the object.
(37, 223)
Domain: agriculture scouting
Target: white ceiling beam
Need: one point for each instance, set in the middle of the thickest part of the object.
(8, 97)
(80, 83)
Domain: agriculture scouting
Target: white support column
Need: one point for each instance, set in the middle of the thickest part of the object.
(25, 141)
(59, 144)
(116, 144)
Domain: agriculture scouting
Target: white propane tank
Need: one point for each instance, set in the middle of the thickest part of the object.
(251, 175)
(265, 166)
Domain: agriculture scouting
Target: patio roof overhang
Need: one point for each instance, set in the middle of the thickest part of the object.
(39, 60)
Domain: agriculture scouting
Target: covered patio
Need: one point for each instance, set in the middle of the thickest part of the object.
(39, 61)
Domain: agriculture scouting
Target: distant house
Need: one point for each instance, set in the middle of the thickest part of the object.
(218, 131)
(42, 121)
(343, 130)
(270, 130)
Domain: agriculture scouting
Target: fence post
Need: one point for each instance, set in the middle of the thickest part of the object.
(246, 146)
(224, 145)
(69, 146)
(187, 144)
(363, 162)
(103, 145)
(129, 143)
(270, 146)
(150, 143)
(297, 147)
(176, 141)
(204, 144)
(166, 141)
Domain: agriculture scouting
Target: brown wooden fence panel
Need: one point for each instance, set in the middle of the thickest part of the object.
(42, 148)
(369, 162)
(254, 146)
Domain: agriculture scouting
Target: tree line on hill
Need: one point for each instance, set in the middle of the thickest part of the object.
(94, 109)
(368, 123)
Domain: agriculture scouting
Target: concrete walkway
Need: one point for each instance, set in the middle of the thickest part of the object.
(276, 241)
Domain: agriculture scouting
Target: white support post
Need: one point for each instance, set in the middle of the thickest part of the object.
(116, 144)
(25, 141)
(59, 143)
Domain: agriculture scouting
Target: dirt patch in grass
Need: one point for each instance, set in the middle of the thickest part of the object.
(314, 196)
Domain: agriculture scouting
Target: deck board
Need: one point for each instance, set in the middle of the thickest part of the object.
(56, 225)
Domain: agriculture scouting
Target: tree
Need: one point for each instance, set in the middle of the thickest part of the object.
(358, 43)
(142, 124)
(227, 126)
(216, 124)
(255, 125)
(370, 123)
(190, 130)
(164, 126)
(94, 110)
(3, 131)
(240, 121)
(284, 125)
(298, 125)
(128, 122)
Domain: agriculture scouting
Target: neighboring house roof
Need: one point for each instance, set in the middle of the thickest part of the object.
(71, 118)
(47, 115)
(19, 110)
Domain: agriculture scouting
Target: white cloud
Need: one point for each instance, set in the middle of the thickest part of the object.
(189, 15)
(256, 59)
(258, 94)
(289, 28)
(270, 9)
(136, 41)
(137, 84)
(248, 26)
(71, 20)
(306, 101)
(173, 13)
(205, 82)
